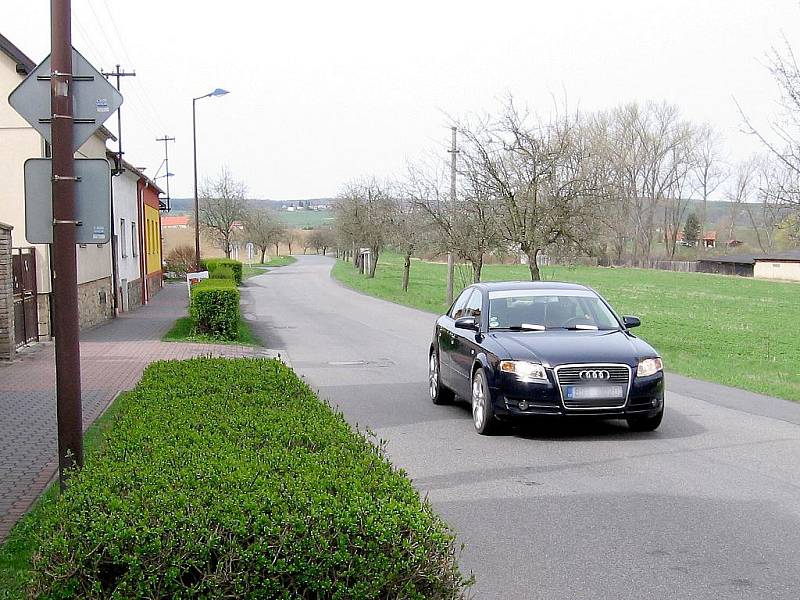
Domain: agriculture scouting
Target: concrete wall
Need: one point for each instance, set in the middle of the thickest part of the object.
(7, 349)
(94, 302)
(775, 269)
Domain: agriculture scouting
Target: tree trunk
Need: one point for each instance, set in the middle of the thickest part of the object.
(533, 265)
(324, 251)
(277, 252)
(290, 248)
(406, 271)
(477, 265)
(373, 263)
(263, 254)
(227, 249)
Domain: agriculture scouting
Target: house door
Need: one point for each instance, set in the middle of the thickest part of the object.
(26, 312)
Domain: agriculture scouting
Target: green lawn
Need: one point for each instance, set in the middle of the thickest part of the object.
(184, 331)
(301, 219)
(737, 331)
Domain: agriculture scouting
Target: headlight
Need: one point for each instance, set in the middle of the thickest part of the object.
(525, 371)
(649, 366)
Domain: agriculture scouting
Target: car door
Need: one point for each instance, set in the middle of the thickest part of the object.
(446, 333)
(465, 346)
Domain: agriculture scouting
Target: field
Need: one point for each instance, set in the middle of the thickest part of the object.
(739, 332)
(301, 219)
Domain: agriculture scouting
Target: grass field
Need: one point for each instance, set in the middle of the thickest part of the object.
(305, 218)
(739, 332)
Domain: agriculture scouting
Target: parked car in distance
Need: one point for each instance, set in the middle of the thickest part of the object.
(521, 350)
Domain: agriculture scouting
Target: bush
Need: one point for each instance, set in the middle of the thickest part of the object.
(214, 306)
(209, 264)
(180, 260)
(222, 272)
(230, 478)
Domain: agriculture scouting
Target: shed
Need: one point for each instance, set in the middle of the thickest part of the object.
(733, 264)
(783, 265)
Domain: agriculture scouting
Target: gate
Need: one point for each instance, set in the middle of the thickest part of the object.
(26, 313)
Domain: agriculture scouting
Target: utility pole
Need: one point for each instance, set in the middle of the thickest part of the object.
(64, 258)
(166, 139)
(450, 262)
(119, 74)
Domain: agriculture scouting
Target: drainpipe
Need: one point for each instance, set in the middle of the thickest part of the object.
(142, 243)
(114, 266)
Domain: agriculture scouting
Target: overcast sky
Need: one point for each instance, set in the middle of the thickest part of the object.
(322, 92)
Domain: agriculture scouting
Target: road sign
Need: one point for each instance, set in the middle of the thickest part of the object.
(94, 99)
(92, 201)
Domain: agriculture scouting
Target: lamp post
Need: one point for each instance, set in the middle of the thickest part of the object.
(216, 92)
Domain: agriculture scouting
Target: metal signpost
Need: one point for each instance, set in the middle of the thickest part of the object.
(66, 100)
(92, 201)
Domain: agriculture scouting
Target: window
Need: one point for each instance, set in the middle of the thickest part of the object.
(134, 240)
(473, 307)
(552, 309)
(457, 311)
(123, 239)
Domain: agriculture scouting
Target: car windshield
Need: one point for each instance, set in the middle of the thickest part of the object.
(539, 310)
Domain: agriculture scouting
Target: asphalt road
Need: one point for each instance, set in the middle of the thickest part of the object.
(708, 506)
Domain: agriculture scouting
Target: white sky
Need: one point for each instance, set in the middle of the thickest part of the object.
(322, 92)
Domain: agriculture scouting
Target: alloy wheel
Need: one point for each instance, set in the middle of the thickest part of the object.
(433, 375)
(478, 401)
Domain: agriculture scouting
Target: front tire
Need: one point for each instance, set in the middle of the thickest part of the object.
(439, 394)
(646, 423)
(483, 416)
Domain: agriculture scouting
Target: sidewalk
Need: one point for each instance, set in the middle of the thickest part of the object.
(113, 357)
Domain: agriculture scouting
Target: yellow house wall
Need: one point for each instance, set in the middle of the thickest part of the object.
(153, 240)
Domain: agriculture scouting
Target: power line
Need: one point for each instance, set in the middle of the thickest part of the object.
(119, 75)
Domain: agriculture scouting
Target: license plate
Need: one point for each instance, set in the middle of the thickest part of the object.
(591, 392)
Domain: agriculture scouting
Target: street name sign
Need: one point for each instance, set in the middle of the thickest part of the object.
(92, 201)
(94, 99)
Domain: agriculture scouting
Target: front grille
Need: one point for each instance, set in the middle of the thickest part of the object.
(570, 375)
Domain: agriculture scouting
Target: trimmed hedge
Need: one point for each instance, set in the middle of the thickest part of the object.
(230, 478)
(209, 264)
(222, 272)
(214, 307)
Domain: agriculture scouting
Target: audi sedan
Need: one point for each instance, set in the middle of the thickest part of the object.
(519, 350)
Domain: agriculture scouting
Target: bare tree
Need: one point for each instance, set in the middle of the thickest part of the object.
(321, 239)
(709, 170)
(540, 178)
(261, 228)
(409, 230)
(223, 208)
(362, 217)
(740, 191)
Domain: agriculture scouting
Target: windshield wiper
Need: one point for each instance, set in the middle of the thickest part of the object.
(527, 327)
(582, 328)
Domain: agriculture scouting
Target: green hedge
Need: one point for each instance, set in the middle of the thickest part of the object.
(230, 478)
(214, 307)
(209, 264)
(222, 272)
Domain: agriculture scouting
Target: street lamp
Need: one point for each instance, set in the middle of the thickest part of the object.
(216, 92)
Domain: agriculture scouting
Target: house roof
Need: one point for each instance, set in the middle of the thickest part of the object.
(174, 220)
(710, 235)
(742, 259)
(129, 167)
(24, 64)
(788, 256)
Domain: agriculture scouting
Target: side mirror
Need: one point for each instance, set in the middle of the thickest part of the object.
(467, 323)
(631, 321)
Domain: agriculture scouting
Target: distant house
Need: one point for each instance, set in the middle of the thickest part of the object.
(175, 222)
(734, 264)
(784, 266)
(710, 239)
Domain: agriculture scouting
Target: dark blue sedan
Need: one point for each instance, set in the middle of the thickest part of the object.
(524, 349)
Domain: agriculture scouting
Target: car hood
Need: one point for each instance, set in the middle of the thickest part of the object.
(564, 347)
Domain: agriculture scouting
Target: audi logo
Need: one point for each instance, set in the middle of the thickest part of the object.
(595, 374)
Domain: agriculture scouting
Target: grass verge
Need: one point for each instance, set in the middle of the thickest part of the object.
(185, 330)
(258, 269)
(735, 331)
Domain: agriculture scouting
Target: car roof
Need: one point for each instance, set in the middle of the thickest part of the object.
(495, 286)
